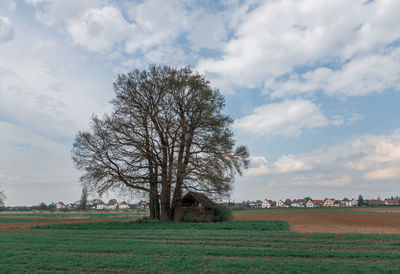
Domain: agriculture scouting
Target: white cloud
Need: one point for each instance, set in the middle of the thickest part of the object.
(156, 23)
(361, 76)
(99, 29)
(258, 166)
(383, 174)
(290, 163)
(279, 36)
(355, 166)
(6, 29)
(52, 12)
(287, 118)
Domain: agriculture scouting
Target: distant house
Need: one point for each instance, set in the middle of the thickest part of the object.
(295, 203)
(101, 205)
(318, 203)
(354, 202)
(124, 205)
(112, 206)
(337, 203)
(288, 202)
(310, 203)
(259, 204)
(376, 203)
(92, 206)
(301, 202)
(328, 202)
(346, 202)
(392, 202)
(267, 203)
(60, 205)
(142, 205)
(72, 206)
(281, 203)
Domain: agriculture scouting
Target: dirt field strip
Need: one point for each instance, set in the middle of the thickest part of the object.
(57, 221)
(333, 223)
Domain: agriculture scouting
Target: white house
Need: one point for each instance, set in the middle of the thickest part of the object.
(328, 203)
(101, 205)
(354, 202)
(267, 203)
(112, 206)
(123, 205)
(346, 202)
(295, 204)
(60, 205)
(281, 203)
(310, 203)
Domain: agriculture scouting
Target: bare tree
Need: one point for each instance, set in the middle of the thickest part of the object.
(166, 135)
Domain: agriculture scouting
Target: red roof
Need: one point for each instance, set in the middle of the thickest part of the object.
(346, 200)
(300, 200)
(123, 203)
(288, 201)
(61, 203)
(318, 201)
(101, 203)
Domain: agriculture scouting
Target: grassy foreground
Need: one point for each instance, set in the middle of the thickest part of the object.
(247, 247)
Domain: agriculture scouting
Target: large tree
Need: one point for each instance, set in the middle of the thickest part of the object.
(166, 135)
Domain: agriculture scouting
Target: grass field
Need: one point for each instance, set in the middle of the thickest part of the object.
(247, 247)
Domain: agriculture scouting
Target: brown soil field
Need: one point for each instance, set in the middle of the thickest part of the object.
(333, 223)
(322, 209)
(54, 222)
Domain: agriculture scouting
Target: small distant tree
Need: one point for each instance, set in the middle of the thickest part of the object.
(2, 198)
(360, 200)
(83, 203)
(113, 202)
(42, 206)
(52, 207)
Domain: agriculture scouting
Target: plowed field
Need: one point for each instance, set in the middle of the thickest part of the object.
(376, 220)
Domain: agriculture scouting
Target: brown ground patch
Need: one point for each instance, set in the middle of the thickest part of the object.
(56, 222)
(328, 209)
(333, 223)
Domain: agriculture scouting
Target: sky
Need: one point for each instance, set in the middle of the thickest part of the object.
(313, 87)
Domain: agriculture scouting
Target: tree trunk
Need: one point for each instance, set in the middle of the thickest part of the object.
(165, 195)
(177, 203)
(154, 201)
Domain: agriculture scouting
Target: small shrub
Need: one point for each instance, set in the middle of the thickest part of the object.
(223, 214)
(188, 217)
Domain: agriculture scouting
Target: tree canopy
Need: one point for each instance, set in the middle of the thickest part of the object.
(166, 136)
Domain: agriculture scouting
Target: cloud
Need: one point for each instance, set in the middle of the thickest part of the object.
(290, 163)
(6, 30)
(53, 12)
(287, 118)
(358, 165)
(383, 174)
(361, 76)
(99, 29)
(280, 37)
(258, 166)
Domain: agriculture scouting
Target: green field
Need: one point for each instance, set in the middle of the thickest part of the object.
(247, 247)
